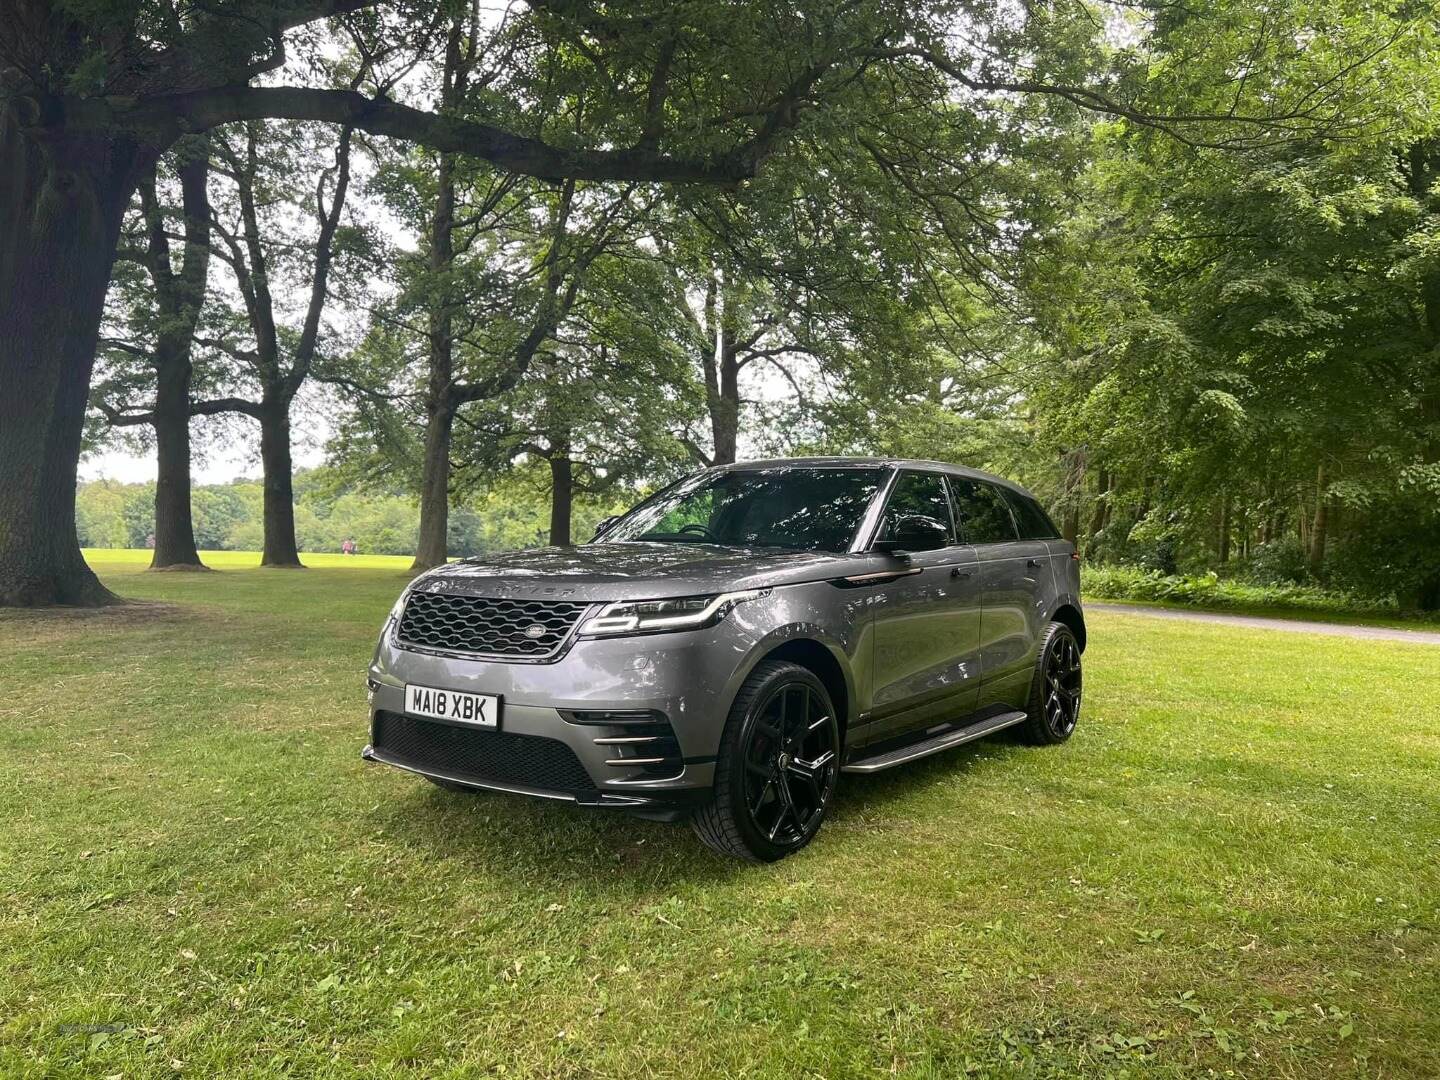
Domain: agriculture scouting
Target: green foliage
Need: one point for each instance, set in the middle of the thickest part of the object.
(1279, 562)
(513, 512)
(1212, 591)
(1242, 349)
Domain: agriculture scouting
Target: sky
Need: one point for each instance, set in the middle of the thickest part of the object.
(217, 466)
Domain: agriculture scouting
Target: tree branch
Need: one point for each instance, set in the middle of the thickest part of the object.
(164, 116)
(224, 405)
(123, 416)
(324, 251)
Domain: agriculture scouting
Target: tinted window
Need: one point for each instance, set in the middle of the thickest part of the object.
(918, 513)
(811, 509)
(984, 515)
(1034, 523)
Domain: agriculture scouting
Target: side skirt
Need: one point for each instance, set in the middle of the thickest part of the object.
(933, 740)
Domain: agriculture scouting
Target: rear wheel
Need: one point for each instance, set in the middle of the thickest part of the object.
(778, 764)
(1054, 707)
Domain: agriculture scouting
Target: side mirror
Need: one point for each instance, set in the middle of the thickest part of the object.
(917, 532)
(604, 526)
(893, 548)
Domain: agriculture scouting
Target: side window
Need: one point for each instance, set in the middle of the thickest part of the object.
(984, 515)
(917, 517)
(1034, 523)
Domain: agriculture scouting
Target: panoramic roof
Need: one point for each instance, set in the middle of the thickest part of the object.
(887, 462)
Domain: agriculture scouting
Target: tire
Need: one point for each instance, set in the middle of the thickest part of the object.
(451, 785)
(1054, 704)
(777, 768)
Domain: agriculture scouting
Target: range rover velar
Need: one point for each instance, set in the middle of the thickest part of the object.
(732, 645)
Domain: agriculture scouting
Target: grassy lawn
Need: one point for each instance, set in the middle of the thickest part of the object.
(1234, 868)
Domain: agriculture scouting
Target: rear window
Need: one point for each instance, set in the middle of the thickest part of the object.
(984, 514)
(1034, 523)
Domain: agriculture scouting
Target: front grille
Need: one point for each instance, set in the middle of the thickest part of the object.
(527, 629)
(497, 757)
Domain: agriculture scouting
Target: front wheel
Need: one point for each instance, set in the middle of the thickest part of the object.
(777, 767)
(1054, 706)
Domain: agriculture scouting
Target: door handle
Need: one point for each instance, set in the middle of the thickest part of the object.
(1033, 564)
(956, 572)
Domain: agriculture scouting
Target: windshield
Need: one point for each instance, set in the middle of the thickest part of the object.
(806, 508)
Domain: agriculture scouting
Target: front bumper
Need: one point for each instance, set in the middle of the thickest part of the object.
(668, 807)
(629, 722)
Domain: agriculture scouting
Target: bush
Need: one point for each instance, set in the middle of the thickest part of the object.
(1393, 549)
(1280, 562)
(1208, 590)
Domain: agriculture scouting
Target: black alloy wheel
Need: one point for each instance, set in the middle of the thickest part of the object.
(1055, 690)
(790, 764)
(778, 766)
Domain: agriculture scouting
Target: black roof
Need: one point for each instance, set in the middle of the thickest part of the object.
(834, 462)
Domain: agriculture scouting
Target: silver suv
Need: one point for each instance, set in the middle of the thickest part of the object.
(729, 647)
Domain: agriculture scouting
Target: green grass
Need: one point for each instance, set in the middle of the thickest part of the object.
(123, 559)
(1233, 868)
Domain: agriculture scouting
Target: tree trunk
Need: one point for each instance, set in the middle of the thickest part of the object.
(174, 530)
(724, 400)
(1320, 526)
(432, 547)
(562, 498)
(279, 499)
(1099, 517)
(1224, 538)
(60, 209)
(721, 365)
(180, 298)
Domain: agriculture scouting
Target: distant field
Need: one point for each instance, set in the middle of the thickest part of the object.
(138, 558)
(1233, 869)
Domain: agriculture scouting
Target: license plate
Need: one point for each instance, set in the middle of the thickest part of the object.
(482, 710)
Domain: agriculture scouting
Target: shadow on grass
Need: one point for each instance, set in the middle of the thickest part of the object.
(862, 794)
(564, 844)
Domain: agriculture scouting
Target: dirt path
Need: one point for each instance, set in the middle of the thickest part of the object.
(1374, 633)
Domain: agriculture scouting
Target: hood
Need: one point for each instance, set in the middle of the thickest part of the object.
(634, 570)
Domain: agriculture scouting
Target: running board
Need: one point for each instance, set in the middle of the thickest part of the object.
(933, 745)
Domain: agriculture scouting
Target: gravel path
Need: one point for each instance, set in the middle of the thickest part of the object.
(1375, 633)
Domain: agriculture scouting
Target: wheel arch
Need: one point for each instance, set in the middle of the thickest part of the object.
(1070, 615)
(815, 657)
(810, 650)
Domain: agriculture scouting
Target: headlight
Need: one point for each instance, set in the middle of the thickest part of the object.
(654, 616)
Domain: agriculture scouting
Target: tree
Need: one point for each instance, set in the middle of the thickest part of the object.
(1256, 368)
(92, 94)
(255, 246)
(155, 357)
(503, 263)
(598, 406)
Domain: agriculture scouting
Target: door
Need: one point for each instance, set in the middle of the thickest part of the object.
(1015, 580)
(926, 627)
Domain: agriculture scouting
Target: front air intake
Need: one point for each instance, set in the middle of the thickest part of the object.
(639, 743)
(467, 753)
